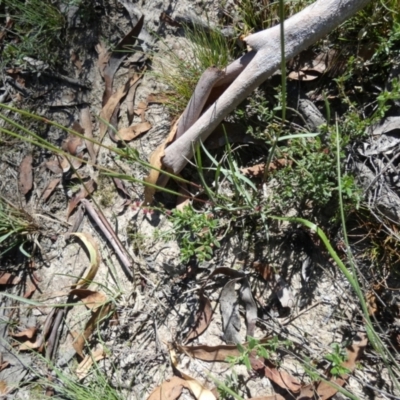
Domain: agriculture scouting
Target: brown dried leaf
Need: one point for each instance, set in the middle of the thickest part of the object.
(29, 345)
(94, 321)
(130, 133)
(4, 389)
(275, 396)
(27, 333)
(50, 188)
(130, 101)
(104, 56)
(210, 353)
(112, 103)
(199, 391)
(26, 174)
(65, 165)
(91, 299)
(320, 390)
(141, 110)
(155, 161)
(171, 389)
(88, 188)
(258, 169)
(4, 365)
(54, 166)
(74, 144)
(282, 378)
(121, 51)
(121, 186)
(203, 318)
(265, 270)
(9, 279)
(30, 289)
(303, 76)
(87, 362)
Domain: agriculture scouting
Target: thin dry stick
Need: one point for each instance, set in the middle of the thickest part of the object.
(112, 238)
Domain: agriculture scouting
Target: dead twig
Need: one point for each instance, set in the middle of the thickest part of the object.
(112, 238)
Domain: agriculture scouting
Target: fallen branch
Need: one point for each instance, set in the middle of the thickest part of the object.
(301, 31)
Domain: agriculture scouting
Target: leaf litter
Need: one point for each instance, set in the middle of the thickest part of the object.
(95, 300)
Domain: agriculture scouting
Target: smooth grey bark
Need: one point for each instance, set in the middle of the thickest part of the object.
(301, 31)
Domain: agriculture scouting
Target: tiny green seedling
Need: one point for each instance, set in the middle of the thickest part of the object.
(337, 358)
(256, 349)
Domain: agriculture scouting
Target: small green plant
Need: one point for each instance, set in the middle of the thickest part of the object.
(256, 348)
(35, 32)
(337, 357)
(230, 384)
(17, 227)
(195, 232)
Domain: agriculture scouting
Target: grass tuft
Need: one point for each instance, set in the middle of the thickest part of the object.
(36, 29)
(205, 48)
(16, 227)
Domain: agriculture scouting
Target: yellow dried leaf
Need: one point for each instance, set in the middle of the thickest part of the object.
(95, 258)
